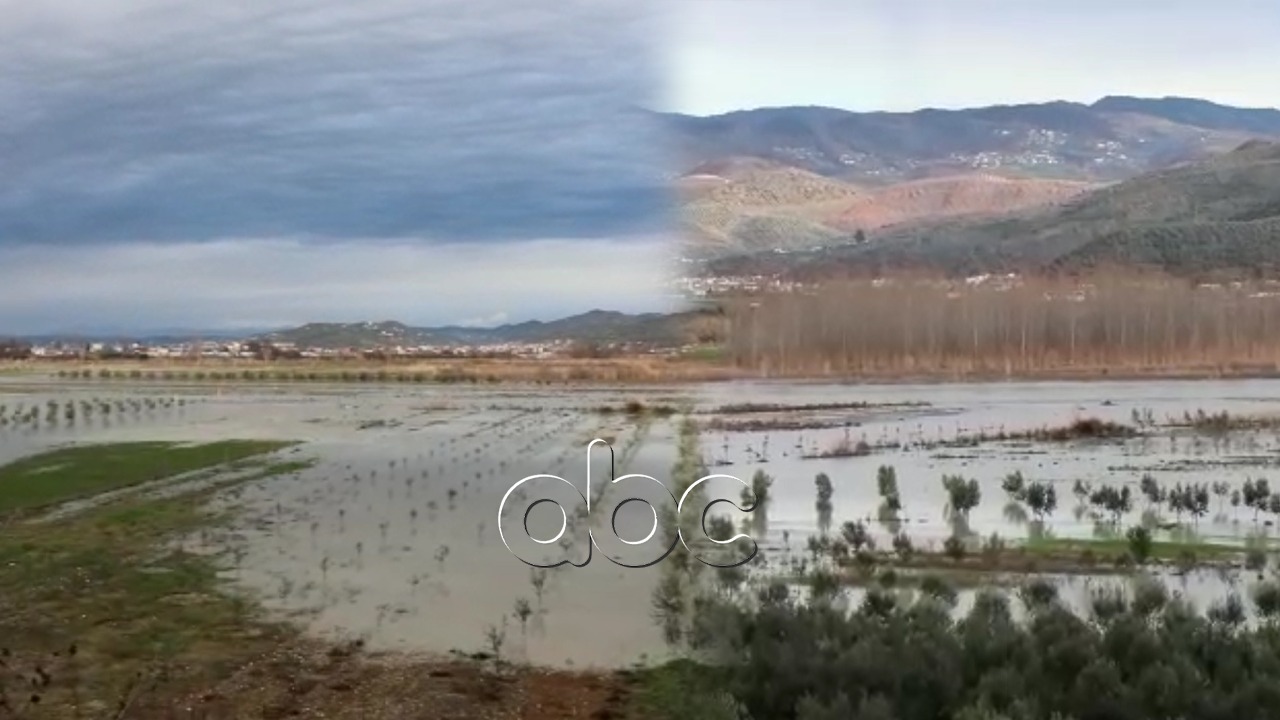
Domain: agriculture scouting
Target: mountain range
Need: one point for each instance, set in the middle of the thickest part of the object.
(596, 326)
(1183, 184)
(1112, 139)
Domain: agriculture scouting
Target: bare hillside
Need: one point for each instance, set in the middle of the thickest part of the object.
(767, 187)
(1220, 215)
(957, 196)
(754, 206)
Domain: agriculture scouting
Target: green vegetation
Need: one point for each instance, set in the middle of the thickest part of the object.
(638, 409)
(1112, 548)
(753, 648)
(677, 690)
(76, 472)
(705, 353)
(905, 656)
(100, 606)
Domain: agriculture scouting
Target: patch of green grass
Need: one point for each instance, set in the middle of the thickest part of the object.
(109, 581)
(1106, 548)
(705, 353)
(677, 690)
(82, 471)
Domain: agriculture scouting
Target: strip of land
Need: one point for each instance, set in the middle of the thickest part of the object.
(689, 367)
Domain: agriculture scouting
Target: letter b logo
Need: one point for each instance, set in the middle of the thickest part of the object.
(635, 520)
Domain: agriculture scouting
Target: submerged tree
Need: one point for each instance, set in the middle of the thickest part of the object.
(1042, 499)
(822, 484)
(1115, 502)
(1256, 495)
(760, 484)
(1014, 485)
(1140, 543)
(962, 495)
(856, 535)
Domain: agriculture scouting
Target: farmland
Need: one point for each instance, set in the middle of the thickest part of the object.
(348, 531)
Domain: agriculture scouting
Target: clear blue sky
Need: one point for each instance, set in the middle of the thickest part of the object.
(907, 54)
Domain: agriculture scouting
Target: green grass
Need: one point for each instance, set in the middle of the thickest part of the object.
(102, 582)
(677, 690)
(705, 353)
(109, 581)
(73, 473)
(1112, 547)
(1089, 556)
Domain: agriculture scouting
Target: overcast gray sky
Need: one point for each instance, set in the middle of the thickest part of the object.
(242, 162)
(908, 54)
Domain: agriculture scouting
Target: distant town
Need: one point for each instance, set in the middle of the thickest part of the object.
(711, 286)
(258, 350)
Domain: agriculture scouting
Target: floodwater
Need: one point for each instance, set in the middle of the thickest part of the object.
(1170, 455)
(392, 534)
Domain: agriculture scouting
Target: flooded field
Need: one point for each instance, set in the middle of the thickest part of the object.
(936, 432)
(391, 534)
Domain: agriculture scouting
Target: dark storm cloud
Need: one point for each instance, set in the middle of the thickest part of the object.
(433, 119)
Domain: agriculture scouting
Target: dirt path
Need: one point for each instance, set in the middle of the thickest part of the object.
(345, 683)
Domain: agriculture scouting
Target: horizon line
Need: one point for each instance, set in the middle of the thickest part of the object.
(959, 108)
(264, 330)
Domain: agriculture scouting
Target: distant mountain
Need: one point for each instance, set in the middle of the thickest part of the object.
(1216, 215)
(593, 326)
(1114, 138)
(1195, 113)
(361, 334)
(1164, 181)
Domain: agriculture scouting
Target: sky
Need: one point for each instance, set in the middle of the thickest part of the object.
(244, 164)
(902, 55)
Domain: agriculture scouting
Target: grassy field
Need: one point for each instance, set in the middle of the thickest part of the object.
(83, 471)
(95, 605)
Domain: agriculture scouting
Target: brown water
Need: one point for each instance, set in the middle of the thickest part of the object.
(355, 545)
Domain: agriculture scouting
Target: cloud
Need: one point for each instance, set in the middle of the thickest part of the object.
(172, 121)
(255, 283)
(494, 320)
(908, 54)
(242, 164)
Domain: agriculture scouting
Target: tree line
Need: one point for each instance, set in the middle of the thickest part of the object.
(1106, 322)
